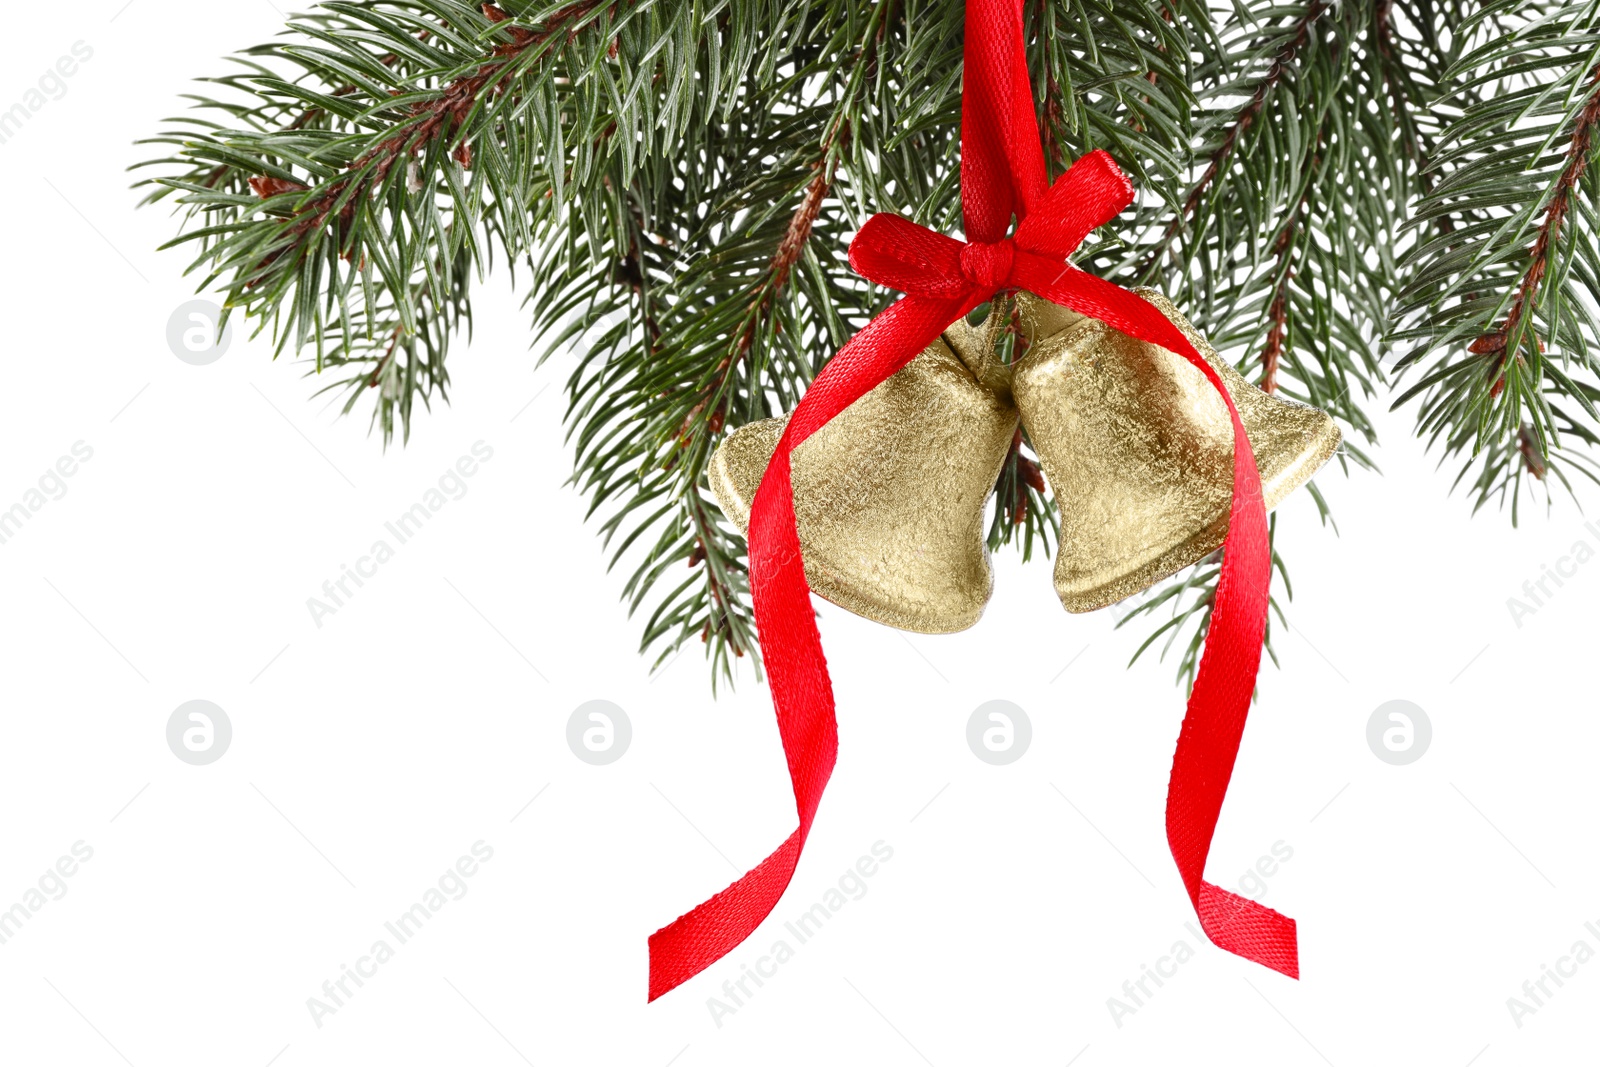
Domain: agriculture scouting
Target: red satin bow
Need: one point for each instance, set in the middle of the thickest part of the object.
(1002, 175)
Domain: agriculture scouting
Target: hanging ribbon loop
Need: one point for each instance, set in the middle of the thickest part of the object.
(1002, 176)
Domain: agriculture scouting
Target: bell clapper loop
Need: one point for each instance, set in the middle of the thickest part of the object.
(974, 346)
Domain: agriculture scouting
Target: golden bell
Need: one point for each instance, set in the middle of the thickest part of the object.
(1138, 448)
(889, 496)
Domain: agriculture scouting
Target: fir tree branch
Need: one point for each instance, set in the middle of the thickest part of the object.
(1499, 298)
(681, 183)
(431, 124)
(1243, 119)
(1510, 338)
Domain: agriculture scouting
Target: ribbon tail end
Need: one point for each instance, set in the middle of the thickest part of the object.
(1253, 931)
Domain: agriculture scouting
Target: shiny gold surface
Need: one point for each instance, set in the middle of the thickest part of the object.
(1138, 448)
(889, 496)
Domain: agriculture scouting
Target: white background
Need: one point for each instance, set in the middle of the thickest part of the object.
(369, 754)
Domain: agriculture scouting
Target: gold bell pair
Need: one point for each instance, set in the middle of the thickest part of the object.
(1135, 443)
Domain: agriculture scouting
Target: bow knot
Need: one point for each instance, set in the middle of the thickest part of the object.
(987, 264)
(898, 253)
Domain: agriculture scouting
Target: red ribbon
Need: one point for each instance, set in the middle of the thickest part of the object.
(1002, 174)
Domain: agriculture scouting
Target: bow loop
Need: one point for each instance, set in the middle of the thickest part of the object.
(898, 253)
(1090, 194)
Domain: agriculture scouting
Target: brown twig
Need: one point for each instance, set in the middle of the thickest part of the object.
(310, 114)
(720, 621)
(1054, 151)
(376, 376)
(779, 269)
(267, 187)
(1383, 34)
(1027, 476)
(1412, 141)
(784, 258)
(800, 223)
(1246, 118)
(1273, 352)
(1532, 458)
(1498, 343)
(304, 119)
(1278, 311)
(1150, 75)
